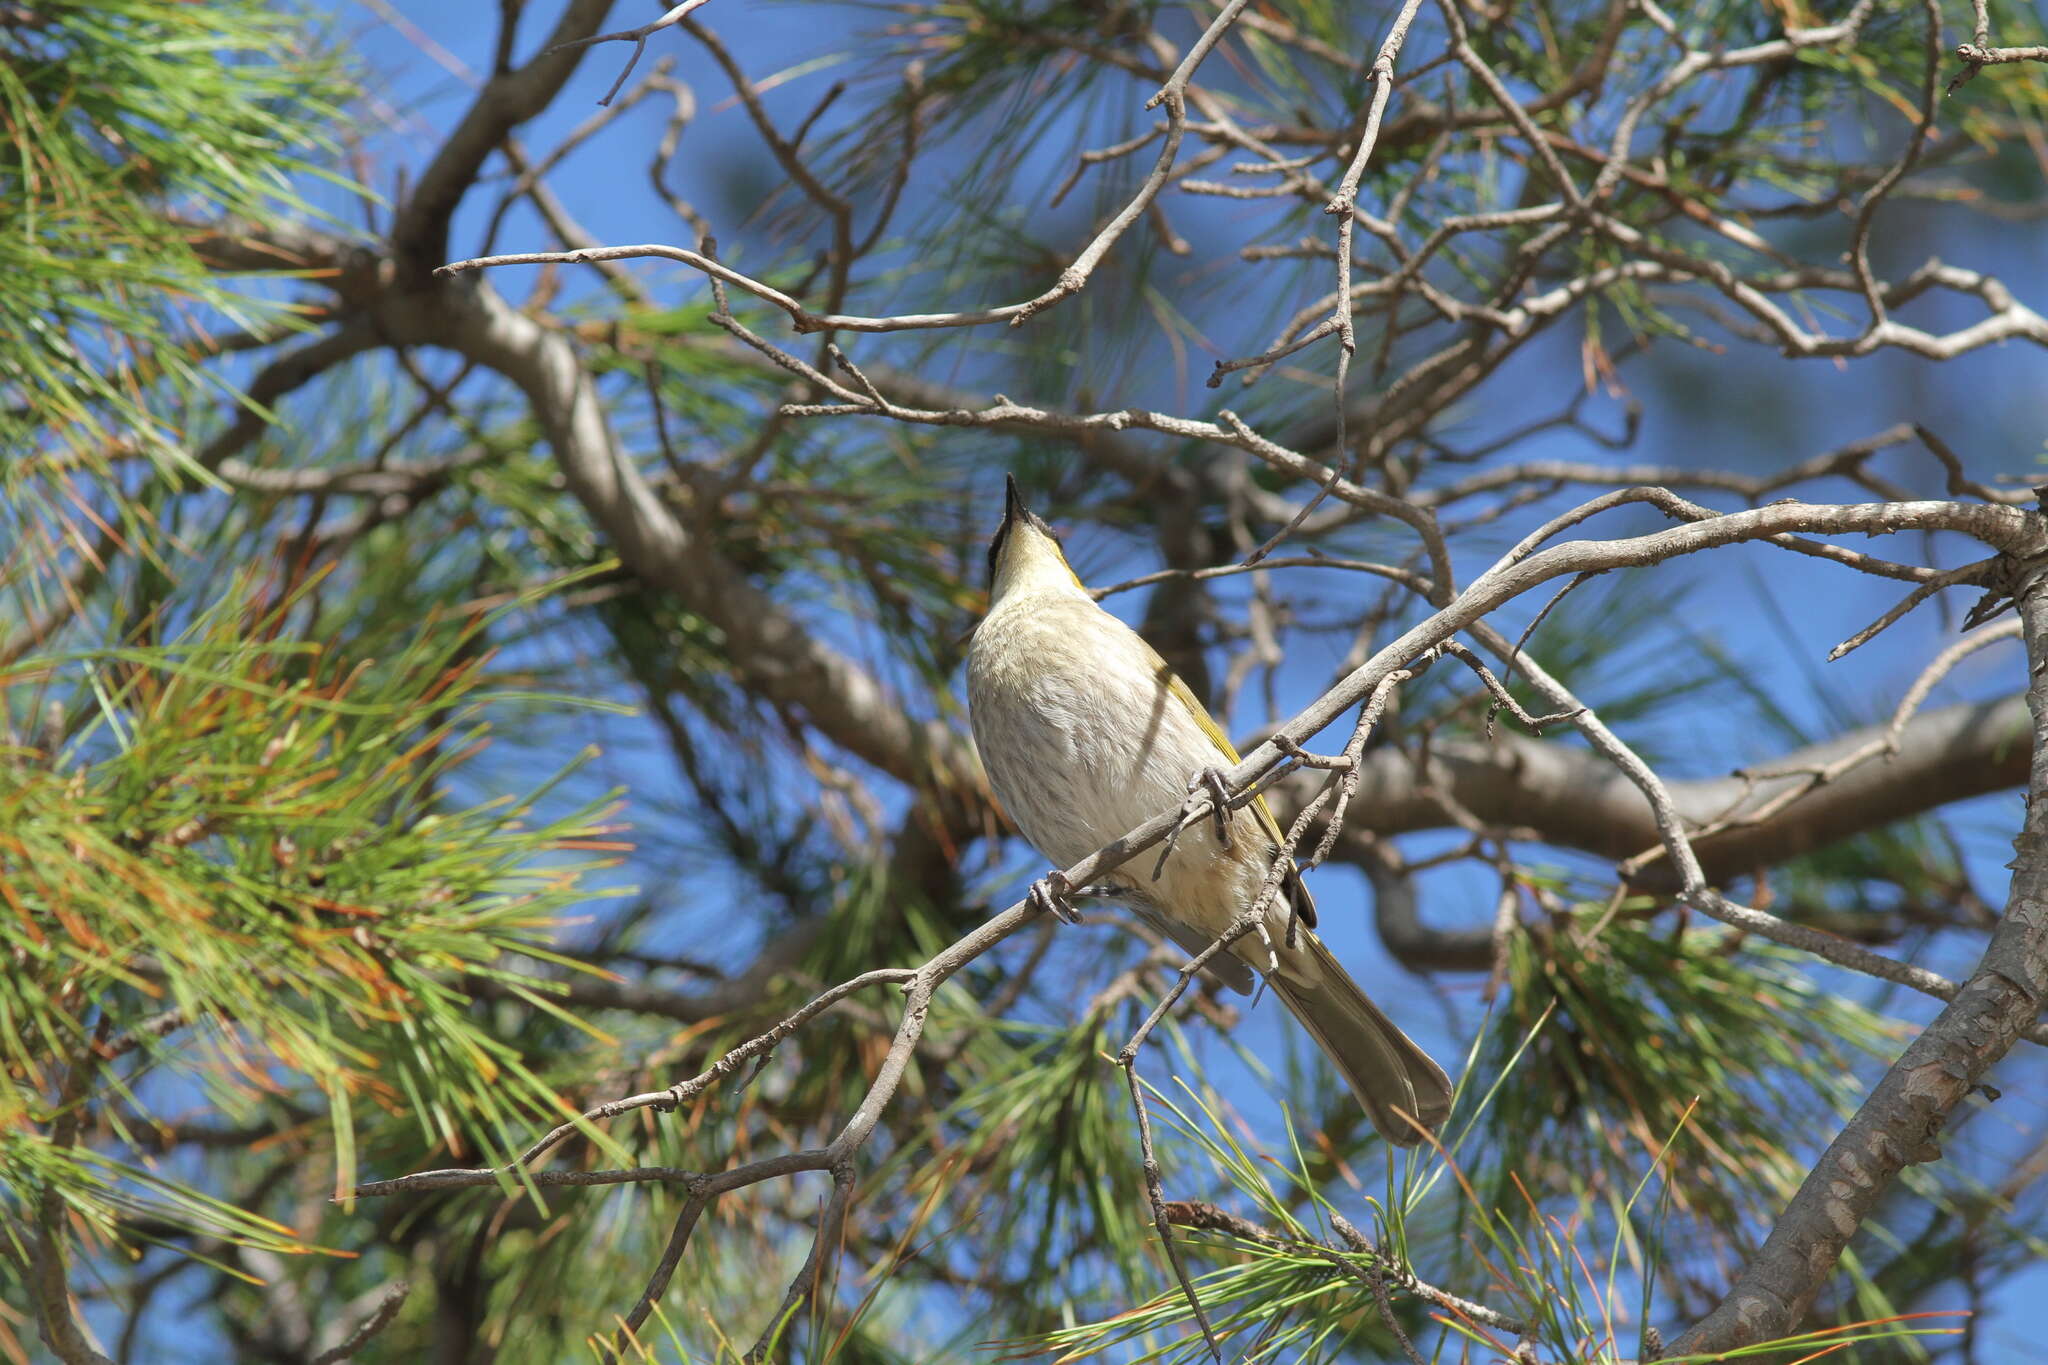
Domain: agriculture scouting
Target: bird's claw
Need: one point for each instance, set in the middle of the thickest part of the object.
(1210, 783)
(1272, 956)
(1053, 893)
(1207, 784)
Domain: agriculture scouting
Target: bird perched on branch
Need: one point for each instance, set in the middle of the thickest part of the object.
(1086, 734)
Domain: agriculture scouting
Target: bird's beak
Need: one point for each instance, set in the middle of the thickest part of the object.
(1013, 502)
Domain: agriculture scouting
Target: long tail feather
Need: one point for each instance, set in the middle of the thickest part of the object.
(1396, 1081)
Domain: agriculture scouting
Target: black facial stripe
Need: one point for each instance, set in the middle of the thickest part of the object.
(1002, 535)
(995, 549)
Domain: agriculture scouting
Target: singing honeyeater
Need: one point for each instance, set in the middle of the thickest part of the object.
(1086, 734)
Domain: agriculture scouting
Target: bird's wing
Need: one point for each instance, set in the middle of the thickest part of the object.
(1185, 695)
(1226, 967)
(1292, 887)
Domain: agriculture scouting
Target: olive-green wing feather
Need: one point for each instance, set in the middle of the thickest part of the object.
(1291, 886)
(1185, 695)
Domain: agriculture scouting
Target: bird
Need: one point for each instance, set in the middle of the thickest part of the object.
(1085, 733)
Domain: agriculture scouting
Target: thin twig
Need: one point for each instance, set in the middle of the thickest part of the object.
(1127, 1059)
(380, 1318)
(636, 36)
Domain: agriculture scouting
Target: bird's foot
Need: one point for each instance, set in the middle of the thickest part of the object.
(1054, 893)
(1210, 783)
(1272, 954)
(1207, 786)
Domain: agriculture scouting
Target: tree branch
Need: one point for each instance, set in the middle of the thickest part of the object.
(778, 656)
(1900, 1123)
(419, 237)
(1573, 799)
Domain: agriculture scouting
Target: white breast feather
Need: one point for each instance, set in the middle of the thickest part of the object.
(1083, 742)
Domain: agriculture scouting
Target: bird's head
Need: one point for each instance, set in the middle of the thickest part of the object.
(1025, 555)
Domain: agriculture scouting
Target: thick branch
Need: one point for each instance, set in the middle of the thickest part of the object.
(420, 236)
(1901, 1121)
(778, 656)
(1564, 794)
(1571, 797)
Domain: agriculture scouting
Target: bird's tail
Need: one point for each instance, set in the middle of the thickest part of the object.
(1394, 1079)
